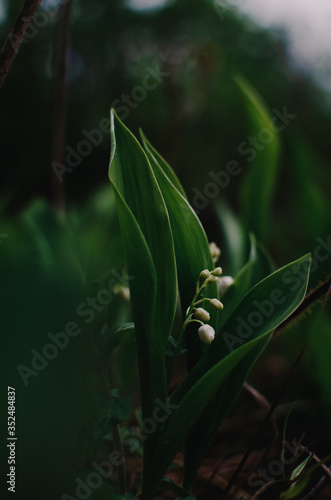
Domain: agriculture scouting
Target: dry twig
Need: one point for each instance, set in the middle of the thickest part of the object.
(16, 36)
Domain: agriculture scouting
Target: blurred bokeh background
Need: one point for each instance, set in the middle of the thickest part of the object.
(202, 78)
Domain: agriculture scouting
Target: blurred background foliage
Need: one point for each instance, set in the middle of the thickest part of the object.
(196, 118)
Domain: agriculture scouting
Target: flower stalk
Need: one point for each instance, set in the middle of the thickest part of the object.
(206, 332)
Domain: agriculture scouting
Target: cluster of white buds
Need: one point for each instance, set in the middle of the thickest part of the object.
(206, 332)
(197, 314)
(226, 281)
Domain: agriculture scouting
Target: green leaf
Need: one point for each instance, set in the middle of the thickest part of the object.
(151, 152)
(122, 335)
(111, 412)
(51, 240)
(284, 290)
(191, 244)
(96, 330)
(188, 411)
(295, 489)
(257, 268)
(149, 252)
(115, 393)
(309, 203)
(235, 241)
(300, 468)
(121, 410)
(97, 235)
(126, 334)
(172, 346)
(195, 392)
(259, 183)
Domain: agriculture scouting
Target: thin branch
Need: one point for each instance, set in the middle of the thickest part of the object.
(266, 486)
(323, 289)
(59, 124)
(264, 404)
(16, 36)
(316, 489)
(316, 459)
(266, 420)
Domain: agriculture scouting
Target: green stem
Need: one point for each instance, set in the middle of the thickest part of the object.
(201, 300)
(311, 297)
(186, 322)
(173, 361)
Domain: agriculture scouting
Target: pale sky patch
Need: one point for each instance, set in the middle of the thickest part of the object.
(306, 25)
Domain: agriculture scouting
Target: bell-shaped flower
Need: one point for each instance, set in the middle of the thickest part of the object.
(224, 283)
(215, 251)
(204, 275)
(217, 271)
(206, 334)
(201, 314)
(216, 304)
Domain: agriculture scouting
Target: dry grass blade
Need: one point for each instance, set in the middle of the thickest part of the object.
(264, 404)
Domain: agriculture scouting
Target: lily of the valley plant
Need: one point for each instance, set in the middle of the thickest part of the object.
(167, 251)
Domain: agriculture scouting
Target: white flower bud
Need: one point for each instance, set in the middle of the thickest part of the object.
(206, 334)
(216, 304)
(224, 283)
(215, 251)
(122, 291)
(204, 275)
(201, 314)
(213, 279)
(217, 271)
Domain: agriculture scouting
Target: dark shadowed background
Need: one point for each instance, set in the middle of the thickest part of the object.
(171, 68)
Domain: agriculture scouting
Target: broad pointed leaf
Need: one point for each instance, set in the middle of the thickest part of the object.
(198, 388)
(259, 183)
(257, 268)
(191, 244)
(150, 258)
